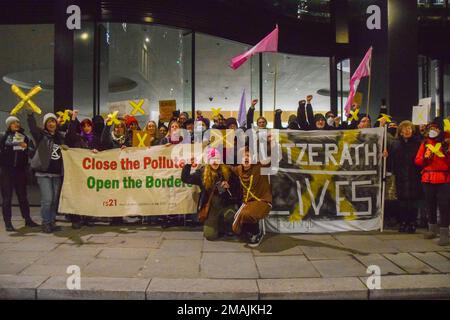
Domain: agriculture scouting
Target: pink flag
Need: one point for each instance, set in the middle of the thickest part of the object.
(268, 44)
(362, 71)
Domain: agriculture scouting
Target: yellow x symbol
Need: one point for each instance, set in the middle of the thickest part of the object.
(26, 99)
(137, 107)
(113, 118)
(446, 125)
(420, 115)
(220, 137)
(354, 115)
(65, 115)
(436, 149)
(215, 111)
(141, 139)
(386, 117)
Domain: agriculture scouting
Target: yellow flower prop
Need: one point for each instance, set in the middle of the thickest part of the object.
(137, 107)
(113, 118)
(26, 99)
(386, 117)
(436, 149)
(65, 115)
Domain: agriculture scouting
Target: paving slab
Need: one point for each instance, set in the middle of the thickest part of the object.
(125, 253)
(65, 260)
(181, 247)
(98, 288)
(350, 288)
(45, 270)
(171, 266)
(12, 268)
(14, 256)
(10, 237)
(135, 242)
(365, 244)
(225, 246)
(141, 232)
(415, 245)
(19, 287)
(77, 250)
(386, 266)
(325, 249)
(435, 260)
(273, 267)
(409, 263)
(113, 268)
(201, 289)
(228, 265)
(430, 286)
(279, 245)
(394, 235)
(445, 254)
(182, 235)
(39, 244)
(340, 268)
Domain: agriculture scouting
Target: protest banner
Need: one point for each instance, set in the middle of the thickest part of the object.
(328, 181)
(324, 181)
(129, 182)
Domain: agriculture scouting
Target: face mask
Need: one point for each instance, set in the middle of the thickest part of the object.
(433, 134)
(330, 121)
(392, 131)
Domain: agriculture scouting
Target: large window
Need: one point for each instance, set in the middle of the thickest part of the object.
(216, 84)
(288, 79)
(26, 55)
(144, 62)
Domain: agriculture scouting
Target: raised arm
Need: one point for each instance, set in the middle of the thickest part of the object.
(309, 111)
(277, 122)
(301, 115)
(191, 178)
(251, 114)
(35, 131)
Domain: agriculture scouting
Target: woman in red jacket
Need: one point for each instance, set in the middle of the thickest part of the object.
(434, 159)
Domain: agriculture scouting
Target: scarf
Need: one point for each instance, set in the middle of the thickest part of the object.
(88, 136)
(120, 140)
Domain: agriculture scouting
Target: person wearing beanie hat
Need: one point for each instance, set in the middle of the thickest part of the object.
(219, 195)
(320, 123)
(15, 149)
(48, 166)
(115, 136)
(231, 123)
(434, 159)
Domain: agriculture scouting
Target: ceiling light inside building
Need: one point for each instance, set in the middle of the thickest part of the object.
(84, 36)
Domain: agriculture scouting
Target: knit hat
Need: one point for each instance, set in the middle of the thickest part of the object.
(129, 120)
(319, 116)
(231, 121)
(10, 120)
(47, 117)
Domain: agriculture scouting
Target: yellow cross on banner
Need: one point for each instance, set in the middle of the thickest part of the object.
(137, 107)
(354, 115)
(436, 149)
(446, 125)
(113, 118)
(215, 111)
(64, 115)
(26, 99)
(386, 117)
(141, 139)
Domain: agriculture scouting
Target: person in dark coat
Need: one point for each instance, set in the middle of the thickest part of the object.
(402, 155)
(15, 149)
(218, 182)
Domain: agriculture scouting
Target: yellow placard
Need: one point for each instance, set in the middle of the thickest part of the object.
(166, 109)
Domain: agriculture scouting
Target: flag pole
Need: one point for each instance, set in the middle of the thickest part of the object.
(383, 190)
(368, 93)
(275, 84)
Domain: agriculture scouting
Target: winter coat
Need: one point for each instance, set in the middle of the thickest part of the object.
(435, 170)
(78, 141)
(196, 178)
(12, 158)
(45, 147)
(107, 141)
(407, 175)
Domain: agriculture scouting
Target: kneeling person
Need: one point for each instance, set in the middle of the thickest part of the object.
(219, 195)
(257, 200)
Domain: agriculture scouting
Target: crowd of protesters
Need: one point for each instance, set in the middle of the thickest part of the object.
(234, 197)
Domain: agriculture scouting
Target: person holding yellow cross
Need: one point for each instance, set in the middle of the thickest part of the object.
(434, 159)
